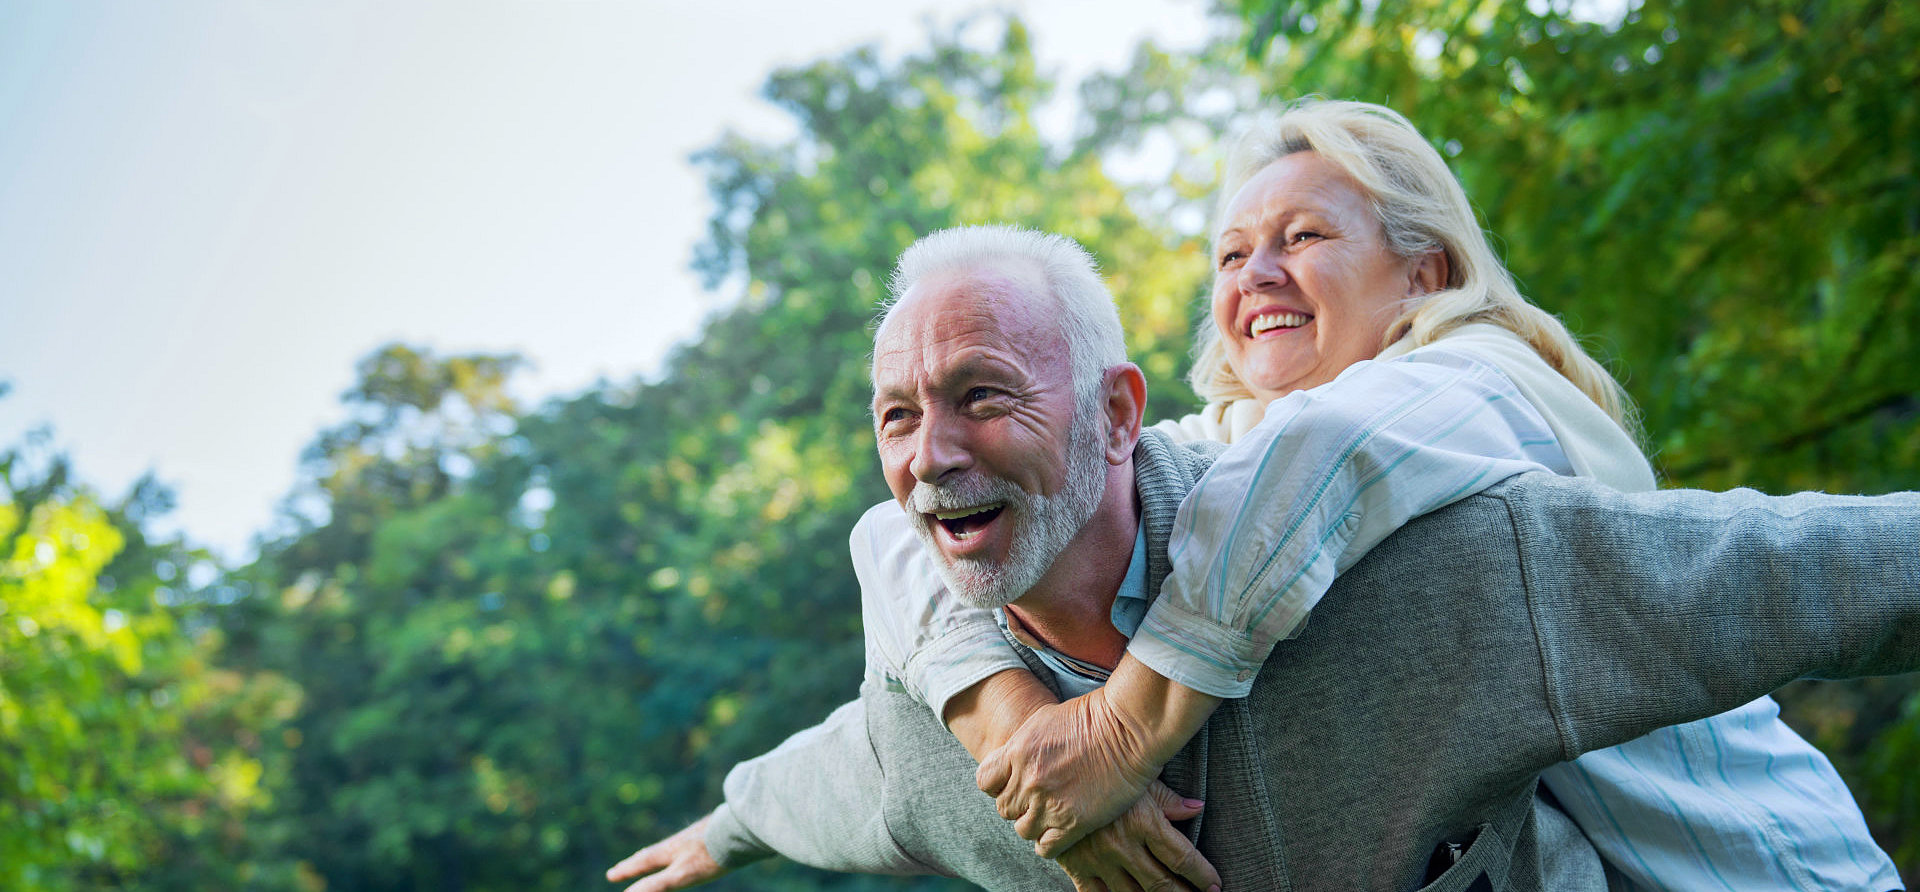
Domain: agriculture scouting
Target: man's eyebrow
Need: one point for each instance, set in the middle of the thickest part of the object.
(886, 395)
(973, 366)
(970, 367)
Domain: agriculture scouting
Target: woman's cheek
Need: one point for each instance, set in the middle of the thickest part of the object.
(1223, 306)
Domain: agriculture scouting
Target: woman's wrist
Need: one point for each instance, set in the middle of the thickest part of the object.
(1161, 713)
(985, 716)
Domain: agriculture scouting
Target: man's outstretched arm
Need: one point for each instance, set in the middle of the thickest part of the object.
(818, 799)
(1659, 608)
(815, 798)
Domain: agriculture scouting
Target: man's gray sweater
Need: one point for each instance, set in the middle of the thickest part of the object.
(1542, 619)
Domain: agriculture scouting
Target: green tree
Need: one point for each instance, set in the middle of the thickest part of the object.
(529, 642)
(374, 603)
(114, 768)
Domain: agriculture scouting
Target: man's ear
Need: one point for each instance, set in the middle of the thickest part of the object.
(1126, 404)
(1430, 273)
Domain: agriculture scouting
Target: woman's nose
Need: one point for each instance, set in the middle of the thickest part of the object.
(1264, 270)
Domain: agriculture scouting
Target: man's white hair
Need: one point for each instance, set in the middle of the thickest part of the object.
(1068, 276)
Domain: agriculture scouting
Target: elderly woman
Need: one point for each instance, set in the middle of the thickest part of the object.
(1342, 237)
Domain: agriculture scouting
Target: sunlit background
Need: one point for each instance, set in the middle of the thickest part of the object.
(224, 205)
(516, 619)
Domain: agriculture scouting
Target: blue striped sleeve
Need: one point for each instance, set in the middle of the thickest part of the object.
(1327, 475)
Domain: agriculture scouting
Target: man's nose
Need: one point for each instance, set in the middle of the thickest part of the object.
(942, 449)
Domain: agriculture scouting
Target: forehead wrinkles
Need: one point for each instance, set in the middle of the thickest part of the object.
(1315, 186)
(981, 319)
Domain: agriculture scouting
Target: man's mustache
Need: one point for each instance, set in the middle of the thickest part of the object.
(968, 491)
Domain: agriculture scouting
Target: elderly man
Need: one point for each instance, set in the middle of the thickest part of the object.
(1400, 740)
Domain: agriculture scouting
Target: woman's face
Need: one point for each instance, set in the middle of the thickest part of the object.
(1304, 283)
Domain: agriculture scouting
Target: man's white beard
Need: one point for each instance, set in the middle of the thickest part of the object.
(1041, 526)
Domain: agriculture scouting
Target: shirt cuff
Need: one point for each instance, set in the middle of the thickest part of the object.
(730, 843)
(958, 660)
(1197, 651)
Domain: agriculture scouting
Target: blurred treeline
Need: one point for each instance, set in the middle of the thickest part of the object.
(499, 647)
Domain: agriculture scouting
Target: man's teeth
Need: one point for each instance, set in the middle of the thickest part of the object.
(963, 512)
(1270, 321)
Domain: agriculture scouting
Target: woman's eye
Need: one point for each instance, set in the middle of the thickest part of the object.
(1230, 257)
(1302, 237)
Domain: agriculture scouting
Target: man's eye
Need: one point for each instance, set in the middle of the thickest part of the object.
(892, 415)
(981, 393)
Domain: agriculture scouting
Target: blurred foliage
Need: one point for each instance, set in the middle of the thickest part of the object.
(126, 759)
(501, 646)
(1723, 198)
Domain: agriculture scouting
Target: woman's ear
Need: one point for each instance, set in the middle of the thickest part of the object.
(1430, 273)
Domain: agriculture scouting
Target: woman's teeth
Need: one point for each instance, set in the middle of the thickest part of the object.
(1266, 322)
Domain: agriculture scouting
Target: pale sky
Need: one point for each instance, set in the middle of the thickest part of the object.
(210, 210)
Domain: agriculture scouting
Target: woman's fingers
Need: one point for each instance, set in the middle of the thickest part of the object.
(1054, 835)
(1178, 855)
(994, 772)
(1141, 851)
(1175, 806)
(1028, 826)
(1107, 874)
(1086, 884)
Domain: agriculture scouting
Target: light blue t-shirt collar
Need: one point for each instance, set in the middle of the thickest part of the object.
(1078, 677)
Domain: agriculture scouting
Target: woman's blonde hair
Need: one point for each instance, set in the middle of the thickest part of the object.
(1422, 208)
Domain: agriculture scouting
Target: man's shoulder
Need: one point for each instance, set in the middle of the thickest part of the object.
(1164, 472)
(1158, 457)
(1204, 448)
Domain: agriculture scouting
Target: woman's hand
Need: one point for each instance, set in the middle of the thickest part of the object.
(1141, 850)
(1077, 765)
(1071, 768)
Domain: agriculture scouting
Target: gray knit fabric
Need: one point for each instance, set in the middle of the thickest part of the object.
(1515, 629)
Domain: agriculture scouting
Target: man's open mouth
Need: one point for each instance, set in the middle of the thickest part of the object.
(965, 523)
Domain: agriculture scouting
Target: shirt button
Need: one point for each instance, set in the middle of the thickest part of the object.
(1243, 675)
